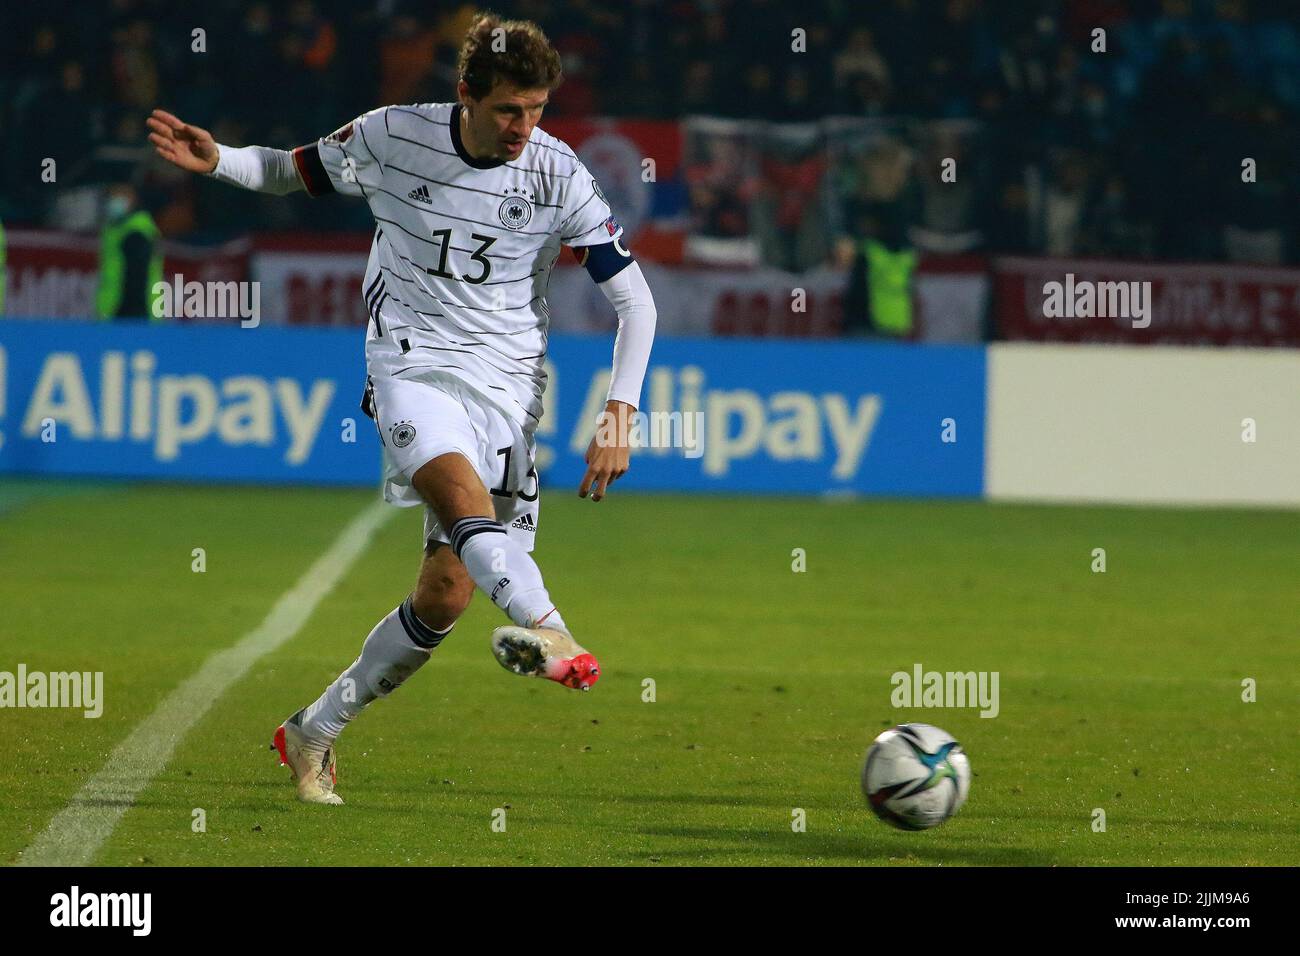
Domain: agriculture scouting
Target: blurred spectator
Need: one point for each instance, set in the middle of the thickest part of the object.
(406, 57)
(1064, 204)
(723, 185)
(134, 66)
(861, 76)
(130, 258)
(792, 174)
(875, 247)
(721, 189)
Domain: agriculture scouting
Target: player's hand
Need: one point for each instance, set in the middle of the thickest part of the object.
(609, 453)
(189, 147)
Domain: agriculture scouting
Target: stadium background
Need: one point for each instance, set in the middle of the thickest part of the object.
(759, 156)
(773, 171)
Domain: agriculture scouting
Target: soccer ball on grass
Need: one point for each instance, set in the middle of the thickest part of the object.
(915, 776)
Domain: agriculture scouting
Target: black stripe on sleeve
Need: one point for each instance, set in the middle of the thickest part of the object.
(306, 159)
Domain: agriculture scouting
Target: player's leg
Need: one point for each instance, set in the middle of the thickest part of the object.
(395, 649)
(397, 646)
(416, 422)
(500, 566)
(540, 643)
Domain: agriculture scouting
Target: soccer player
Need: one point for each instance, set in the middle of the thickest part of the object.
(472, 201)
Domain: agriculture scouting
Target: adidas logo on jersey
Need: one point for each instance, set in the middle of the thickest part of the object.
(524, 521)
(421, 193)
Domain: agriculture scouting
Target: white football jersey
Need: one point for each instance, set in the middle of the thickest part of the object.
(463, 250)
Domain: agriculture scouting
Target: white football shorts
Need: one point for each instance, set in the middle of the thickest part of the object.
(421, 418)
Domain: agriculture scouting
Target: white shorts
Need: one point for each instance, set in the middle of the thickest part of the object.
(421, 418)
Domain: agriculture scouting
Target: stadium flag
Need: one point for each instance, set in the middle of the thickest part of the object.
(637, 165)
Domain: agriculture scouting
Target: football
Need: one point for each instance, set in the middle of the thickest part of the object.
(915, 776)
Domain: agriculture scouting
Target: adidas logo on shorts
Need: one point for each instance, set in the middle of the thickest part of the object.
(524, 521)
(421, 193)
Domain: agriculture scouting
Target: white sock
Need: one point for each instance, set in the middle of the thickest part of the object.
(397, 647)
(505, 572)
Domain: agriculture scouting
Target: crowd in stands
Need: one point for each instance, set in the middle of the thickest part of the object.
(1134, 150)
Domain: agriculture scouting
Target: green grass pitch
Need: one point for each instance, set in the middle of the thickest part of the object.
(1120, 691)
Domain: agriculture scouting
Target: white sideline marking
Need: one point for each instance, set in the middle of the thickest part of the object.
(76, 832)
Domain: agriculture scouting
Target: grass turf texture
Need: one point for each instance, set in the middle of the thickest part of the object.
(1119, 691)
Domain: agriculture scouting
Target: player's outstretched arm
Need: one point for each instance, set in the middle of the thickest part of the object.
(192, 148)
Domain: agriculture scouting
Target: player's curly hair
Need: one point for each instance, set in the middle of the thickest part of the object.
(521, 55)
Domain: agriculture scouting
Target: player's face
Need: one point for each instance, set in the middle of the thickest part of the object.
(504, 119)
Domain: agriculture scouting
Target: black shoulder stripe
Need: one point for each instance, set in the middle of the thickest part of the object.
(306, 159)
